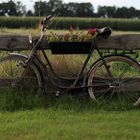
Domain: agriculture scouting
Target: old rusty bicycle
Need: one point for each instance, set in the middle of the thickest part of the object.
(109, 78)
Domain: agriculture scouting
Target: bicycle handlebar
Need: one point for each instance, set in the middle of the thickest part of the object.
(43, 27)
(44, 21)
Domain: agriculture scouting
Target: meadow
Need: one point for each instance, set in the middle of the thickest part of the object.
(27, 117)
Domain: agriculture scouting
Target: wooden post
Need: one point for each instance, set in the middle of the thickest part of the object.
(118, 42)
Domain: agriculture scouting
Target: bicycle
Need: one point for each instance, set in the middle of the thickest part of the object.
(109, 78)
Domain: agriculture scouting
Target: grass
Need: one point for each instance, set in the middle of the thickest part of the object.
(22, 31)
(30, 117)
(41, 124)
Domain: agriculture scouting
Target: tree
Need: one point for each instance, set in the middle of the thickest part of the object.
(20, 8)
(122, 12)
(72, 9)
(40, 8)
(107, 11)
(77, 9)
(12, 9)
(131, 12)
(44, 8)
(55, 6)
(137, 13)
(29, 13)
(84, 10)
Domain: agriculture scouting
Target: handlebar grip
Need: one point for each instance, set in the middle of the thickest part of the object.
(45, 19)
(48, 17)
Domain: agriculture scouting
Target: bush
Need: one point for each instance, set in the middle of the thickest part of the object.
(66, 23)
(12, 100)
(19, 22)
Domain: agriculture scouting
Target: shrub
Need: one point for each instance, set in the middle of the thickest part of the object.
(67, 22)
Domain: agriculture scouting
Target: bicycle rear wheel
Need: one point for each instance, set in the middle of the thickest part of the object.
(122, 85)
(15, 75)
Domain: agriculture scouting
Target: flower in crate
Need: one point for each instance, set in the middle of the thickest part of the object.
(72, 36)
(71, 29)
(92, 31)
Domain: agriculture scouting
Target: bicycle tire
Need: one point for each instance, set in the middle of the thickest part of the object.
(12, 68)
(99, 82)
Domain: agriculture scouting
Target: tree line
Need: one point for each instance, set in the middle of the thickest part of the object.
(72, 9)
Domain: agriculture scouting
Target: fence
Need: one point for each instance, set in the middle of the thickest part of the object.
(118, 42)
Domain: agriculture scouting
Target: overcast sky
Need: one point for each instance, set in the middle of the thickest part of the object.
(118, 3)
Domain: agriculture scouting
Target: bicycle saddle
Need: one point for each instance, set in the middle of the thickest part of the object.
(104, 32)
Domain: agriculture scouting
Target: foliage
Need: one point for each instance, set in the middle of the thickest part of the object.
(114, 12)
(74, 9)
(70, 36)
(11, 8)
(19, 22)
(13, 100)
(76, 23)
(71, 9)
(57, 7)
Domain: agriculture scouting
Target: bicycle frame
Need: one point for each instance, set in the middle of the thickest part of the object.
(33, 56)
(48, 63)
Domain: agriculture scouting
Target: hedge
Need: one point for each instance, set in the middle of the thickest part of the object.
(77, 23)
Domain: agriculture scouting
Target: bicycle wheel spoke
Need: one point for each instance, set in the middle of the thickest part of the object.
(124, 83)
(123, 73)
(12, 77)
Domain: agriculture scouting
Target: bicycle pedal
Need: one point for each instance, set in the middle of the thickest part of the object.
(57, 94)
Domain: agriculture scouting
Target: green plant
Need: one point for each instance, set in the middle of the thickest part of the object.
(70, 36)
(66, 22)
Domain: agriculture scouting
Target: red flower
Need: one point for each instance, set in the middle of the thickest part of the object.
(92, 31)
(71, 28)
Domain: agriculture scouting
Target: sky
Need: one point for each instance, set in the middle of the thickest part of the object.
(118, 3)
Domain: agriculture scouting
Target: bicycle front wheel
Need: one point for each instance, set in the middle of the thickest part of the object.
(15, 75)
(123, 82)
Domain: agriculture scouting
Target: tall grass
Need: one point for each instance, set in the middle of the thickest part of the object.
(66, 23)
(13, 100)
(19, 22)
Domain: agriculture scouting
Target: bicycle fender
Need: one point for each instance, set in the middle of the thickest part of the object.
(18, 55)
(25, 57)
(99, 59)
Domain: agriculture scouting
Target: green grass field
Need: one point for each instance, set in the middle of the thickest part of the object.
(22, 31)
(69, 124)
(27, 117)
